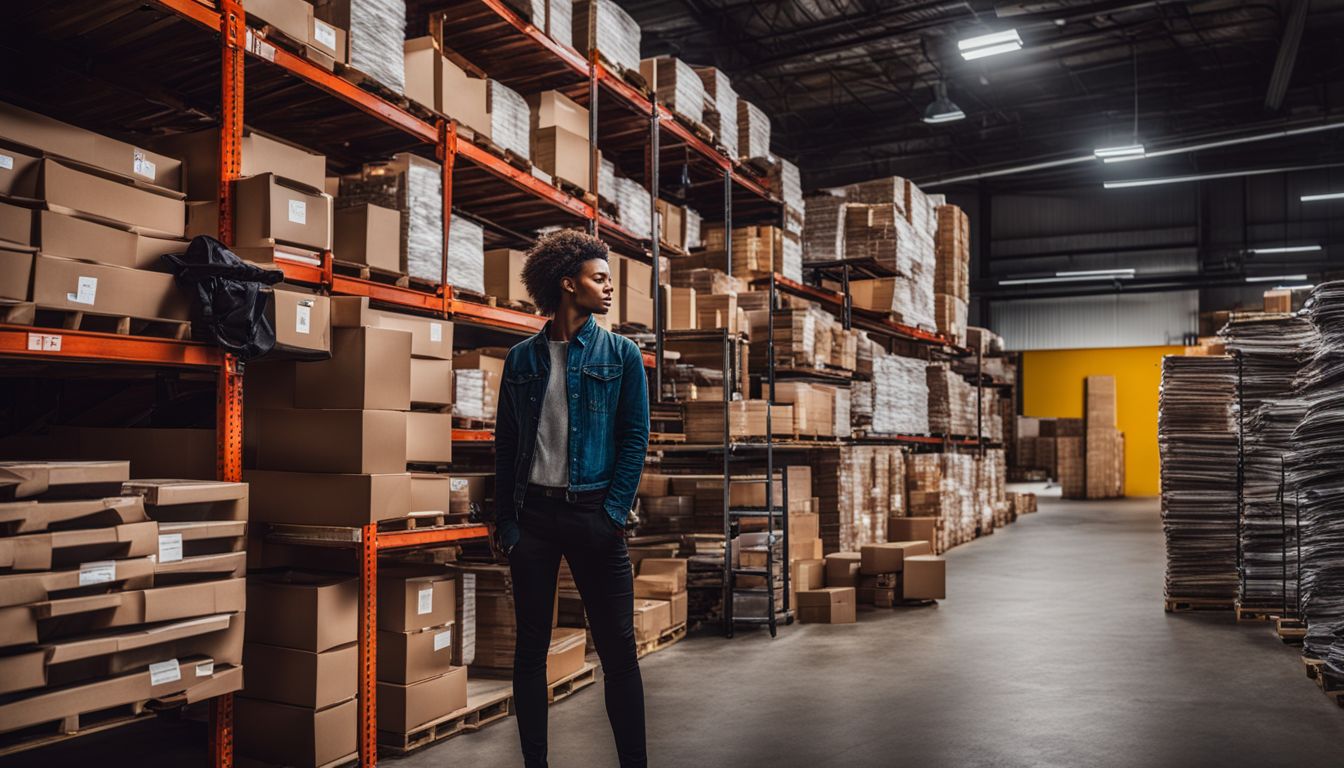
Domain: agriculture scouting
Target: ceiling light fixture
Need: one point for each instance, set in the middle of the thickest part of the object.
(1073, 277)
(1274, 278)
(1323, 196)
(989, 45)
(1112, 154)
(1305, 287)
(942, 110)
(1286, 249)
(1131, 183)
(1097, 272)
(1134, 149)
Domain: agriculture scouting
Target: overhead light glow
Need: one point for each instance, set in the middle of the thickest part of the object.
(1068, 278)
(1097, 273)
(1274, 278)
(1128, 151)
(1323, 196)
(1286, 249)
(1306, 287)
(989, 45)
(942, 110)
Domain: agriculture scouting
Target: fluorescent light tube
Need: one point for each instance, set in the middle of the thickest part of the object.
(1306, 287)
(1286, 249)
(1096, 272)
(1129, 150)
(989, 45)
(1064, 279)
(1272, 278)
(1323, 196)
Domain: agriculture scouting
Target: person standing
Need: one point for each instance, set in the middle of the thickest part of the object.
(571, 432)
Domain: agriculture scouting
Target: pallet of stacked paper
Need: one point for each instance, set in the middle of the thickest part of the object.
(375, 35)
(753, 130)
(952, 402)
(117, 594)
(823, 228)
(413, 186)
(603, 26)
(720, 107)
(632, 204)
(942, 486)
(900, 395)
(675, 85)
(858, 488)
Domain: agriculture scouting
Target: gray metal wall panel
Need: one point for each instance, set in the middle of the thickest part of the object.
(1088, 322)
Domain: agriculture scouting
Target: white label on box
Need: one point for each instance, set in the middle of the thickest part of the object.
(436, 332)
(141, 165)
(6, 162)
(97, 572)
(303, 317)
(457, 484)
(298, 212)
(324, 33)
(86, 292)
(443, 639)
(260, 47)
(205, 669)
(170, 547)
(165, 672)
(426, 602)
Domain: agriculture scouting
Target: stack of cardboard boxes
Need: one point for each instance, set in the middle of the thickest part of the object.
(477, 375)
(417, 680)
(1104, 445)
(560, 138)
(675, 85)
(900, 571)
(858, 488)
(660, 598)
(704, 420)
(115, 593)
(952, 402)
(952, 274)
(323, 42)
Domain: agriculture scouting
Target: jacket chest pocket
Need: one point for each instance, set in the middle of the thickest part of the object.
(601, 386)
(523, 388)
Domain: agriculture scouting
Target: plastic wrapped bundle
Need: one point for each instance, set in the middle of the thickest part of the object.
(951, 403)
(787, 183)
(1273, 349)
(606, 180)
(474, 391)
(692, 220)
(560, 21)
(466, 255)
(900, 396)
(677, 86)
(377, 37)
(1197, 444)
(823, 228)
(720, 107)
(632, 201)
(753, 130)
(604, 26)
(791, 262)
(531, 10)
(510, 119)
(414, 186)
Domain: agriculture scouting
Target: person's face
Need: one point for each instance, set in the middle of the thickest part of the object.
(592, 287)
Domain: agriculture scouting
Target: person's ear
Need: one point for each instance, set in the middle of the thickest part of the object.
(567, 285)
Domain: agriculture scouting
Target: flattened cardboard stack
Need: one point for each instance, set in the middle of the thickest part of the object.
(376, 30)
(753, 130)
(746, 419)
(952, 402)
(720, 108)
(477, 376)
(676, 85)
(602, 25)
(1104, 446)
(115, 593)
(757, 250)
(943, 486)
(900, 393)
(858, 489)
(952, 276)
(823, 236)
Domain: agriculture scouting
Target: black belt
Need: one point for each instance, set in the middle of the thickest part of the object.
(550, 492)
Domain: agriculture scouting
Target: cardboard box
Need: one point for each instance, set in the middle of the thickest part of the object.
(281, 734)
(635, 291)
(306, 498)
(81, 190)
(27, 516)
(889, 557)
(504, 274)
(51, 480)
(913, 529)
(302, 322)
(656, 587)
(184, 500)
(552, 109)
(924, 578)
(673, 567)
(259, 154)
(402, 708)
(679, 312)
(18, 173)
(431, 382)
(808, 574)
(370, 368)
(829, 605)
(679, 604)
(445, 87)
(369, 235)
(344, 441)
(70, 237)
(288, 16)
(409, 603)
(651, 618)
(409, 657)
(304, 611)
(271, 210)
(16, 272)
(65, 140)
(430, 338)
(842, 569)
(566, 654)
(430, 492)
(67, 548)
(107, 290)
(302, 678)
(328, 39)
(563, 154)
(429, 437)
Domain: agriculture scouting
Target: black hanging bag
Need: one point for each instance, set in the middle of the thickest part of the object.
(230, 297)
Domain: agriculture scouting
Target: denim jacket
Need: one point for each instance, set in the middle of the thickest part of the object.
(608, 421)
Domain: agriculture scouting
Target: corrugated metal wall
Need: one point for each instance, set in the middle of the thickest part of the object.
(1088, 322)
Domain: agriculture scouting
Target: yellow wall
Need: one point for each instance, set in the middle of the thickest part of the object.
(1052, 385)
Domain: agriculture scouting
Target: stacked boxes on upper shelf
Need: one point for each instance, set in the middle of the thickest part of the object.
(116, 592)
(676, 85)
(952, 275)
(720, 108)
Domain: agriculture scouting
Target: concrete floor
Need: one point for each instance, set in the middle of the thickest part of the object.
(1052, 649)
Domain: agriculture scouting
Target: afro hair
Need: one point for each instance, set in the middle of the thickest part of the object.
(555, 256)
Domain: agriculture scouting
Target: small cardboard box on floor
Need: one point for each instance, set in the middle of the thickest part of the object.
(828, 605)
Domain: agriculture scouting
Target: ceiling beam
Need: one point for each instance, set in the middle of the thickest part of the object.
(1287, 58)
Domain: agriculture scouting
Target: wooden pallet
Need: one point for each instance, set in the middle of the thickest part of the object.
(413, 521)
(1289, 630)
(372, 274)
(482, 709)
(74, 726)
(1252, 614)
(124, 325)
(462, 422)
(1197, 604)
(568, 686)
(667, 638)
(369, 83)
(574, 190)
(1331, 686)
(666, 438)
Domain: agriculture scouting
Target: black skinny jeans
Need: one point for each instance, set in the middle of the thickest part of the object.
(595, 549)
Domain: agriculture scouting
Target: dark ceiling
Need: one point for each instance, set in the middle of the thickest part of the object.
(847, 81)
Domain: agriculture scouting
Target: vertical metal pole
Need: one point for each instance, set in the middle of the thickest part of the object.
(728, 580)
(1241, 475)
(229, 406)
(980, 399)
(368, 646)
(446, 150)
(659, 309)
(847, 309)
(1283, 532)
(784, 525)
(594, 159)
(770, 451)
(728, 222)
(1297, 533)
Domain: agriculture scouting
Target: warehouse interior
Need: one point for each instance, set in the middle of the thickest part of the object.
(993, 356)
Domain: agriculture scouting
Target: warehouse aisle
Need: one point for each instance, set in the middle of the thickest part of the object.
(1052, 650)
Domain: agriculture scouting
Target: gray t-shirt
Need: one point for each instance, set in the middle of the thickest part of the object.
(550, 464)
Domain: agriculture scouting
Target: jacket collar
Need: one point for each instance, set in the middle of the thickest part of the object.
(582, 338)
